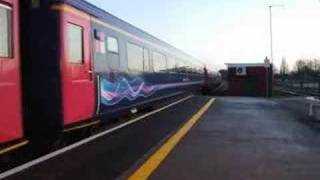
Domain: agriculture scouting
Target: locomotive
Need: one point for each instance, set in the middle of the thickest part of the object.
(67, 64)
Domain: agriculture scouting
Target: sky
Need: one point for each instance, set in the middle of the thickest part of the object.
(227, 31)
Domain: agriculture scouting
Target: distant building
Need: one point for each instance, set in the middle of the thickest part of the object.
(250, 79)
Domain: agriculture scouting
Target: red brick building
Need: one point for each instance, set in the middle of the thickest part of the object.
(251, 79)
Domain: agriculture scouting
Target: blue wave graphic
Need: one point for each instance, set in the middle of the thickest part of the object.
(114, 92)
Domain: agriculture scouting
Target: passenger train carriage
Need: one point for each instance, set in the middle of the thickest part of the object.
(78, 64)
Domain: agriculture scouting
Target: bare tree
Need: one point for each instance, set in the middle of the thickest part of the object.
(301, 66)
(310, 67)
(316, 63)
(284, 68)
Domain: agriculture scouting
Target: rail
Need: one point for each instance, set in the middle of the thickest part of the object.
(298, 87)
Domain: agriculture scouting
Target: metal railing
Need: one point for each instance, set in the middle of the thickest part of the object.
(303, 86)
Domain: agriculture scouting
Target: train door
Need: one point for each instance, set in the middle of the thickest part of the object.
(10, 93)
(78, 85)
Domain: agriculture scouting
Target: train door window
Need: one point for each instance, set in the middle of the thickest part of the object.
(146, 60)
(75, 43)
(5, 31)
(113, 45)
(159, 62)
(135, 57)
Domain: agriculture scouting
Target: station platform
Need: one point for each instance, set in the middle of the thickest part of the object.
(196, 138)
(245, 138)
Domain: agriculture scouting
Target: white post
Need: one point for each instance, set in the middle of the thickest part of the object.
(271, 38)
(311, 109)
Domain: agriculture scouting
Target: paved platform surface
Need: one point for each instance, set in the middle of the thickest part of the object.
(243, 139)
(300, 107)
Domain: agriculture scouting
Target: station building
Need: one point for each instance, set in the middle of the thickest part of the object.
(250, 79)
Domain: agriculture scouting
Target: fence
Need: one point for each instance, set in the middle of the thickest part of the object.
(303, 86)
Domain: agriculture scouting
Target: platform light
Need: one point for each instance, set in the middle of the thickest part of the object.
(271, 29)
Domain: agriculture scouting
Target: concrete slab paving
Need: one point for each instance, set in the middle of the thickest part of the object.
(245, 138)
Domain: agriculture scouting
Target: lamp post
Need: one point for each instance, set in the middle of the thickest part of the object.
(271, 37)
(270, 71)
(271, 30)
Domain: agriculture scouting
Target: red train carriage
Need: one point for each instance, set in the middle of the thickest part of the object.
(10, 86)
(68, 46)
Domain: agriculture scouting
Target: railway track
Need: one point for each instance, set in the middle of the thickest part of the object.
(293, 92)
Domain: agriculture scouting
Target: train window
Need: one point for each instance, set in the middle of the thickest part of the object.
(179, 64)
(5, 31)
(113, 45)
(183, 66)
(100, 41)
(75, 43)
(159, 62)
(146, 60)
(135, 57)
(171, 63)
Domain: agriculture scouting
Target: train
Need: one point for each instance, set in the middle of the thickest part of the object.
(67, 64)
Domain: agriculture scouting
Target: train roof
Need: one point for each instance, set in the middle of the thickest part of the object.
(115, 21)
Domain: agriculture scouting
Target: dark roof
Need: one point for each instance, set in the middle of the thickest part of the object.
(113, 20)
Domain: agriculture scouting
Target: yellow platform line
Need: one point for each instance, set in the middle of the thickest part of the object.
(13, 147)
(151, 164)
